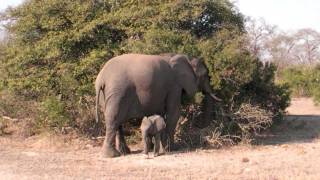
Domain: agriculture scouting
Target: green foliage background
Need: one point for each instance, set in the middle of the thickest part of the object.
(303, 81)
(57, 48)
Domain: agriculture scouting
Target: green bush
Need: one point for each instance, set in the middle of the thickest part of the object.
(57, 48)
(303, 81)
(52, 114)
(252, 100)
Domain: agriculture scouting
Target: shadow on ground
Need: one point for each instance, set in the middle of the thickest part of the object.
(294, 129)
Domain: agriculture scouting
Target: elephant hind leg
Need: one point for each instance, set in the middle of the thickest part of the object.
(108, 144)
(121, 145)
(157, 140)
(113, 117)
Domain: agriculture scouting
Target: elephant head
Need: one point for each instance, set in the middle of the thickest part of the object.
(191, 75)
(203, 79)
(184, 73)
(201, 72)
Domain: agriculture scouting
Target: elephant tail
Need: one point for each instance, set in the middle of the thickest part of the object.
(98, 90)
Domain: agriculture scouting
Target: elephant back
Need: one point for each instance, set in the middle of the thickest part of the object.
(158, 122)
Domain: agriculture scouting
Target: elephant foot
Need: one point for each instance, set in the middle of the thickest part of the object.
(174, 147)
(124, 149)
(146, 156)
(156, 154)
(110, 152)
(170, 147)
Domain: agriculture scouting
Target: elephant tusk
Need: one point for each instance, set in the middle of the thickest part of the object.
(215, 97)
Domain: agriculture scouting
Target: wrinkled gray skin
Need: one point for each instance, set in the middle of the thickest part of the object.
(151, 128)
(137, 85)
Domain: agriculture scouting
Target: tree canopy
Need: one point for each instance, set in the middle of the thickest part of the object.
(56, 43)
(57, 48)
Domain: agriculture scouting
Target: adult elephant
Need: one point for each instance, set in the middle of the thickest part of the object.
(137, 85)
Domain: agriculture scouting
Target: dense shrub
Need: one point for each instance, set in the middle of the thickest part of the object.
(18, 115)
(57, 48)
(3, 126)
(52, 113)
(303, 81)
(251, 99)
(228, 129)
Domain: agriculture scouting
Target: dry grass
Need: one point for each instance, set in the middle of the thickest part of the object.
(291, 151)
(291, 161)
(240, 126)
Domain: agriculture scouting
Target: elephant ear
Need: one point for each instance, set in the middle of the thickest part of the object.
(185, 74)
(199, 67)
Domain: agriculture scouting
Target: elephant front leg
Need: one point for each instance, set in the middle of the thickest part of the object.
(145, 141)
(121, 145)
(173, 114)
(172, 120)
(157, 139)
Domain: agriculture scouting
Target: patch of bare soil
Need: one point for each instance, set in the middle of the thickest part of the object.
(303, 106)
(289, 151)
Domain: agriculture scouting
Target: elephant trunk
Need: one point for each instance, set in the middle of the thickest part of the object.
(208, 90)
(207, 112)
(208, 103)
(207, 109)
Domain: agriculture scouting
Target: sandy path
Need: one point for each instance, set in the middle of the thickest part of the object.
(303, 106)
(291, 151)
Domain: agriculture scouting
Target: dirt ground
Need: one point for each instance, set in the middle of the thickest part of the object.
(290, 151)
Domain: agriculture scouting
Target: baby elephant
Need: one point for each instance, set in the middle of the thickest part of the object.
(151, 127)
